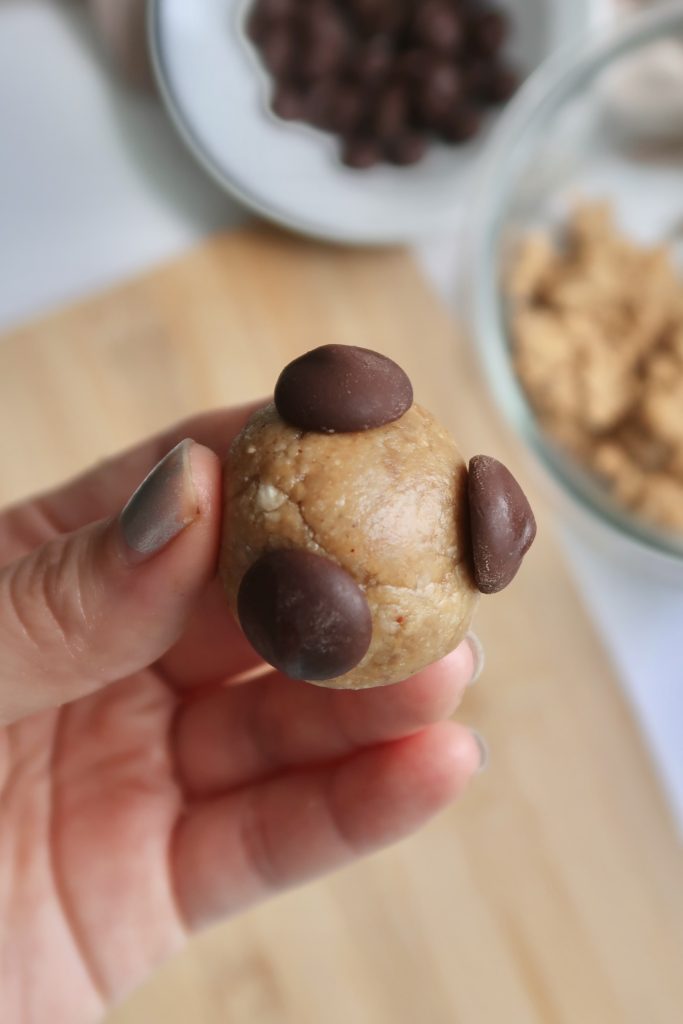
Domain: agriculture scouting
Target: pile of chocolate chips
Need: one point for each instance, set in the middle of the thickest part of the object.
(386, 76)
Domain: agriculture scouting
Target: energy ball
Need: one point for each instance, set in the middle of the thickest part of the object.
(347, 552)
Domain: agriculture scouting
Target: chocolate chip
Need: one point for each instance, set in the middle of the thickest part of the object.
(500, 84)
(323, 43)
(384, 76)
(323, 22)
(501, 522)
(407, 149)
(361, 153)
(341, 388)
(462, 124)
(278, 51)
(391, 115)
(376, 16)
(315, 62)
(289, 103)
(488, 31)
(474, 73)
(320, 97)
(414, 65)
(372, 62)
(266, 14)
(345, 109)
(258, 27)
(437, 25)
(272, 10)
(304, 615)
(440, 90)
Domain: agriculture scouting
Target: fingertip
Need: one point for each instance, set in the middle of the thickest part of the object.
(170, 529)
(461, 664)
(465, 752)
(484, 755)
(435, 693)
(478, 654)
(388, 792)
(205, 467)
(446, 755)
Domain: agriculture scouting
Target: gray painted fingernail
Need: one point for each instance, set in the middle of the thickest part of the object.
(163, 505)
(484, 755)
(478, 656)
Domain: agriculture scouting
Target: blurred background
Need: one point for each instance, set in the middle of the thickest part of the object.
(183, 209)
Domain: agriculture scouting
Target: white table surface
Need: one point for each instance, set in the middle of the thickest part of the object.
(95, 187)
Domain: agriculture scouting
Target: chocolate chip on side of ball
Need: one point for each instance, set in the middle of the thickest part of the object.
(342, 389)
(502, 524)
(304, 615)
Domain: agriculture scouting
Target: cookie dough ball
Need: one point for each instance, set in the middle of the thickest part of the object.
(347, 554)
(387, 505)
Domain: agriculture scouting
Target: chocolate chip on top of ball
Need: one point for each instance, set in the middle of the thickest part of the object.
(356, 543)
(388, 77)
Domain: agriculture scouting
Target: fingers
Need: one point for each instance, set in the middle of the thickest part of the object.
(105, 601)
(102, 491)
(239, 735)
(212, 646)
(230, 851)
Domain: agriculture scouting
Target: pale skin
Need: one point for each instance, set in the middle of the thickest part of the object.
(144, 792)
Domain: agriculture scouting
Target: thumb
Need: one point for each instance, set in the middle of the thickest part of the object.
(109, 599)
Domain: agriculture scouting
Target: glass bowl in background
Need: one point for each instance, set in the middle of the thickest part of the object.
(583, 127)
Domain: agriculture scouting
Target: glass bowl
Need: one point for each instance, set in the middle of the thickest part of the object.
(578, 130)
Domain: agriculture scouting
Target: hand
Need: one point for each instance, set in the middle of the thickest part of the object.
(144, 789)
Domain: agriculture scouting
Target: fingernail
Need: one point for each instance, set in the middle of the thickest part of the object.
(163, 505)
(483, 750)
(478, 656)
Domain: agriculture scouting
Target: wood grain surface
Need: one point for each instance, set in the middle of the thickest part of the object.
(553, 894)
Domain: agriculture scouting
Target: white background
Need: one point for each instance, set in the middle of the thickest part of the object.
(94, 187)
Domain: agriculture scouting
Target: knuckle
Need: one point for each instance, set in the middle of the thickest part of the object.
(47, 596)
(258, 846)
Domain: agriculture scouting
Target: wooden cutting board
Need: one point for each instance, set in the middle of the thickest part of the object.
(553, 894)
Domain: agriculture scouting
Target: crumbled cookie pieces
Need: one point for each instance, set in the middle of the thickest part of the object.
(597, 325)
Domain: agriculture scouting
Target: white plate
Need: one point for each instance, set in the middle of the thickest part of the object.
(217, 93)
